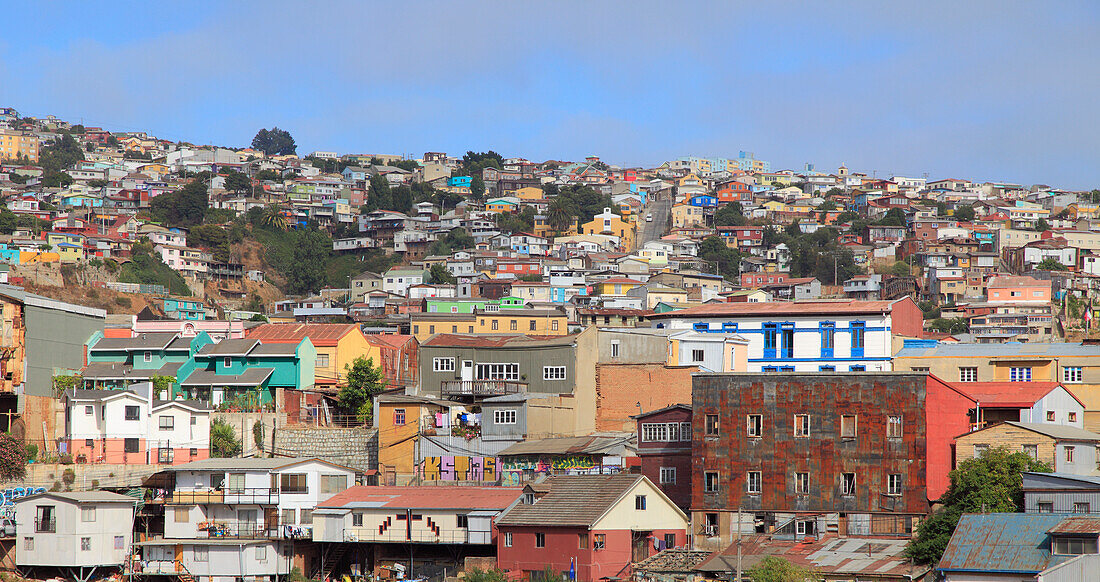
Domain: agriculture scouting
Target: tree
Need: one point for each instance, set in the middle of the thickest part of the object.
(274, 216)
(899, 269)
(990, 483)
(1042, 225)
(13, 457)
(440, 275)
(455, 239)
(379, 195)
(727, 261)
(964, 213)
(893, 217)
(274, 142)
(949, 325)
(56, 180)
(560, 214)
(1051, 264)
(184, 207)
(267, 176)
(60, 155)
(223, 440)
(477, 187)
(776, 569)
(363, 381)
(237, 182)
(730, 215)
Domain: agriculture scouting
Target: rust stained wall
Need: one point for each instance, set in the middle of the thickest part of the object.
(621, 387)
(778, 454)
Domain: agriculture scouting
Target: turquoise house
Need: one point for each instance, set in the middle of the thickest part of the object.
(188, 309)
(115, 363)
(247, 373)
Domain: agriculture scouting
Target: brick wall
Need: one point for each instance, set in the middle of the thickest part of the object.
(621, 387)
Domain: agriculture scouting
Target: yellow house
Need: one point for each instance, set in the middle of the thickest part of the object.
(16, 144)
(775, 206)
(529, 193)
(400, 420)
(685, 215)
(657, 293)
(502, 205)
(611, 224)
(615, 286)
(69, 247)
(338, 344)
(505, 321)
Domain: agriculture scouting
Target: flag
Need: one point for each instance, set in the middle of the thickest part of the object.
(572, 569)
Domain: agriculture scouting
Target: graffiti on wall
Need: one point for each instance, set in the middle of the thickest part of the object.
(9, 495)
(516, 470)
(459, 469)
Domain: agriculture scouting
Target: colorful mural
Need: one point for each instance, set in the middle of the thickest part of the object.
(517, 470)
(459, 469)
(9, 495)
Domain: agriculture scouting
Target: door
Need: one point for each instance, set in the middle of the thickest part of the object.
(271, 518)
(467, 370)
(639, 546)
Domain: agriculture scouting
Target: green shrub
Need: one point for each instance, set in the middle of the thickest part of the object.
(68, 476)
(123, 301)
(32, 451)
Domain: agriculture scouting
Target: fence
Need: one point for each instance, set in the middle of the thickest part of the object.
(147, 289)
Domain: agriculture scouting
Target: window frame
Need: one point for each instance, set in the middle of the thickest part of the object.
(540, 539)
(848, 485)
(754, 425)
(847, 420)
(753, 482)
(555, 373)
(712, 482)
(666, 476)
(895, 429)
(968, 374)
(170, 425)
(443, 364)
(1073, 374)
(801, 426)
(893, 484)
(505, 416)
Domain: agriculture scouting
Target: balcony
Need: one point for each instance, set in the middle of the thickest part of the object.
(45, 525)
(244, 496)
(398, 534)
(479, 388)
(216, 529)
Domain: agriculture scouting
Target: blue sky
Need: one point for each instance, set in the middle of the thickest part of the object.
(981, 90)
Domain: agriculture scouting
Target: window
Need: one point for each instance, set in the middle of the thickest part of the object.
(504, 417)
(85, 544)
(710, 482)
(1046, 507)
(288, 517)
(133, 413)
(227, 362)
(399, 416)
(87, 514)
(322, 360)
(167, 422)
(293, 483)
(859, 330)
(1032, 451)
(670, 540)
(752, 482)
(513, 325)
(89, 410)
(712, 425)
(667, 476)
(431, 329)
(540, 540)
(182, 514)
(848, 484)
(980, 449)
(148, 356)
(615, 349)
(495, 325)
(496, 372)
(893, 427)
(202, 553)
(1050, 416)
(788, 341)
(531, 325)
(554, 325)
(261, 553)
(826, 368)
(236, 483)
(1072, 416)
(893, 484)
(507, 539)
(598, 541)
(461, 520)
(1069, 453)
(1019, 374)
(802, 483)
(639, 502)
(28, 544)
(828, 333)
(582, 541)
(89, 443)
(754, 425)
(443, 364)
(802, 425)
(333, 483)
(771, 333)
(357, 519)
(857, 368)
(968, 374)
(130, 446)
(664, 432)
(847, 426)
(700, 326)
(553, 372)
(305, 517)
(1081, 507)
(697, 355)
(1072, 374)
(1067, 546)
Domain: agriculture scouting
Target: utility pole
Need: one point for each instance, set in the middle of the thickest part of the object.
(738, 578)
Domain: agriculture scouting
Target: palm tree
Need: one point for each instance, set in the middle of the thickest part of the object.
(274, 216)
(559, 215)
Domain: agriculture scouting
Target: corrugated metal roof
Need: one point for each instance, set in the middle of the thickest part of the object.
(1001, 542)
(1005, 350)
(573, 500)
(829, 554)
(1077, 525)
(781, 308)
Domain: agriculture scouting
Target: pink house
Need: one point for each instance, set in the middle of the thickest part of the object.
(1011, 289)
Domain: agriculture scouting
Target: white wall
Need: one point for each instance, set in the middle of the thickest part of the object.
(63, 548)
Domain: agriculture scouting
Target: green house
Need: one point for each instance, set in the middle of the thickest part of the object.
(469, 304)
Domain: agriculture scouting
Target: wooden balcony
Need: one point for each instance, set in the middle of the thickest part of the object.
(482, 388)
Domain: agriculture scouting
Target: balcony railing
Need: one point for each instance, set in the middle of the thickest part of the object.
(253, 531)
(482, 387)
(397, 534)
(45, 525)
(244, 495)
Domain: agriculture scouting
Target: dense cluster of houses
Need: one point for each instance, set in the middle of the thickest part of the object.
(593, 401)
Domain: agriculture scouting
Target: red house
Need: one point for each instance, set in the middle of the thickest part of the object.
(599, 524)
(759, 279)
(664, 446)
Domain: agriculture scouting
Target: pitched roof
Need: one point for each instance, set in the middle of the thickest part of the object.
(320, 334)
(1004, 281)
(1007, 394)
(849, 556)
(1001, 542)
(572, 500)
(425, 497)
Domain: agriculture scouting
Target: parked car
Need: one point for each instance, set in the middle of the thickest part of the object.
(649, 217)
